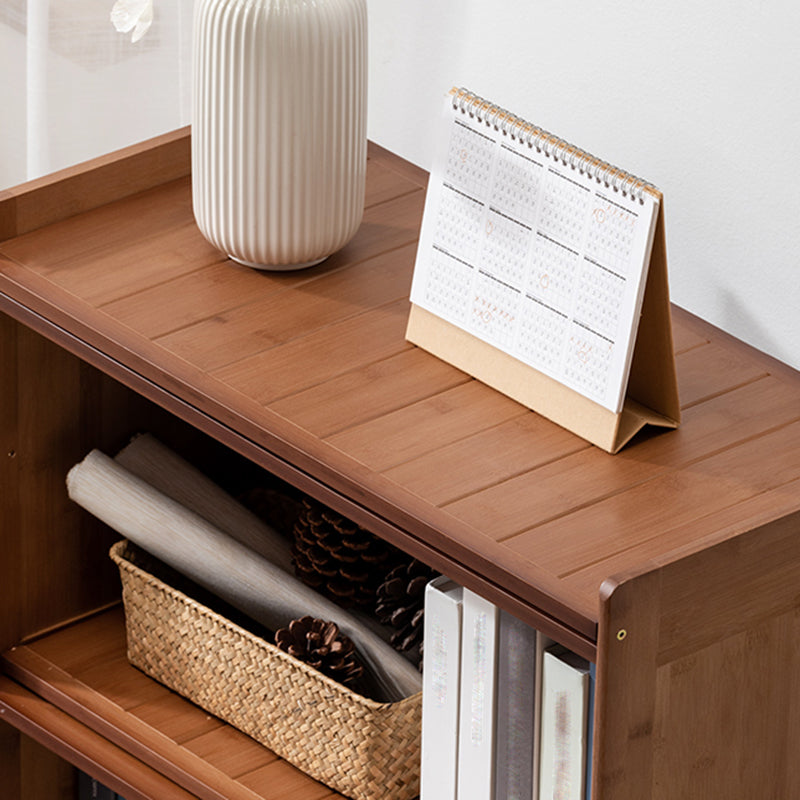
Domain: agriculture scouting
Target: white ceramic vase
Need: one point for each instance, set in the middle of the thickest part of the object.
(279, 142)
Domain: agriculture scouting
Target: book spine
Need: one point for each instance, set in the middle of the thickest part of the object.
(565, 695)
(542, 643)
(590, 730)
(516, 709)
(441, 679)
(478, 699)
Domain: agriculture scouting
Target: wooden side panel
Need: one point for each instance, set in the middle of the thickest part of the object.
(60, 559)
(102, 180)
(10, 747)
(625, 694)
(54, 408)
(698, 688)
(725, 749)
(29, 770)
(44, 775)
(10, 509)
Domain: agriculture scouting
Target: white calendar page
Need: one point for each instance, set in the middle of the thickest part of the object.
(534, 257)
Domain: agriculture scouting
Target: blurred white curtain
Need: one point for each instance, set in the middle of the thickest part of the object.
(36, 47)
(74, 88)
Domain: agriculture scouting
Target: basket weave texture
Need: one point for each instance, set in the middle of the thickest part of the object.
(360, 747)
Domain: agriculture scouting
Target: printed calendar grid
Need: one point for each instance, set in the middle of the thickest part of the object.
(517, 185)
(557, 277)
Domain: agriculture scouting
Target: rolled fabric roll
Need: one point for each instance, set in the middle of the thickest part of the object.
(192, 545)
(155, 463)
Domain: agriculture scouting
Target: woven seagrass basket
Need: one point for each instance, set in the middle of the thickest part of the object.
(364, 749)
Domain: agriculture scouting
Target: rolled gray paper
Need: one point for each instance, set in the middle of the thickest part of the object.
(165, 470)
(193, 546)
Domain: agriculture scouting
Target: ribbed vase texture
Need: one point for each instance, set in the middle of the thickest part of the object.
(279, 141)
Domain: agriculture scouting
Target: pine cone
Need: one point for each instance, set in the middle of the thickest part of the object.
(339, 558)
(320, 645)
(401, 604)
(278, 509)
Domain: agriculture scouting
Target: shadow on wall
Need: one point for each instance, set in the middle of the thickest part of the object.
(738, 316)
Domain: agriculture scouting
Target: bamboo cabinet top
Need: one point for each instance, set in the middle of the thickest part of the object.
(308, 373)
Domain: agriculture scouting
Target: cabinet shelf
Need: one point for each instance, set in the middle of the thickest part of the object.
(84, 672)
(117, 316)
(64, 736)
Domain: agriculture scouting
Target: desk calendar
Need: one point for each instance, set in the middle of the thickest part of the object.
(531, 272)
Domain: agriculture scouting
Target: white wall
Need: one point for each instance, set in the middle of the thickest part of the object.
(702, 98)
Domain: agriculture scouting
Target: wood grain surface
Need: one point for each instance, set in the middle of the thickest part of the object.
(312, 367)
(100, 690)
(698, 695)
(118, 316)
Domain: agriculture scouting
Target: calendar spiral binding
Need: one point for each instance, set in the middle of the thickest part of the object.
(552, 146)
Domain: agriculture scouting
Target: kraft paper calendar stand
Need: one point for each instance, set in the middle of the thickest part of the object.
(652, 392)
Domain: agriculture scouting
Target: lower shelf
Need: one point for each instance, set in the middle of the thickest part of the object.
(83, 671)
(69, 739)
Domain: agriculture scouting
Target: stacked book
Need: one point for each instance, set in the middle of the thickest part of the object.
(506, 712)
